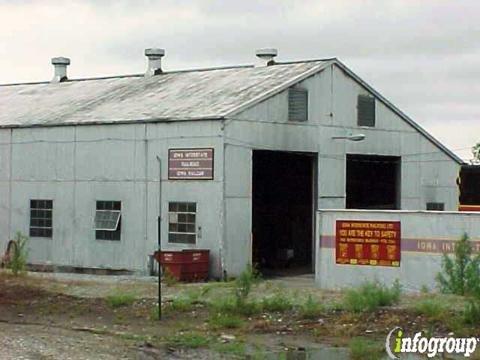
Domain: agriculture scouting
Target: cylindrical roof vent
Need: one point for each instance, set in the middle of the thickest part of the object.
(60, 69)
(154, 66)
(265, 57)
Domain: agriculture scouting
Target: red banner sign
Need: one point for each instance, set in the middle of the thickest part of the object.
(190, 164)
(374, 243)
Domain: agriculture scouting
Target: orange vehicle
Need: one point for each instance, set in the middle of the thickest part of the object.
(469, 185)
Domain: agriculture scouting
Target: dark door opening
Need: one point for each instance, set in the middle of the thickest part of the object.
(282, 211)
(373, 182)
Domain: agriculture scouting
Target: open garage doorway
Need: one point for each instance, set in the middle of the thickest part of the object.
(373, 182)
(283, 209)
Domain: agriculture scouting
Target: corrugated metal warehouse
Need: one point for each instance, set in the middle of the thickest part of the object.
(238, 159)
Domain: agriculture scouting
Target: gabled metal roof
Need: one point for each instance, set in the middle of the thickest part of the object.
(215, 93)
(182, 95)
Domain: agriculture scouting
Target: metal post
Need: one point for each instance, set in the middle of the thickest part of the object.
(159, 221)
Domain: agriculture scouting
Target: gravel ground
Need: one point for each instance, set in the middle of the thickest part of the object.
(39, 342)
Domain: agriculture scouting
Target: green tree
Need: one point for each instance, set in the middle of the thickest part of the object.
(476, 153)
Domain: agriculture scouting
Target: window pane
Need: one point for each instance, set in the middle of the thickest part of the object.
(41, 218)
(181, 219)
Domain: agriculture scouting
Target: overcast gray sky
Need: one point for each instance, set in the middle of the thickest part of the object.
(423, 55)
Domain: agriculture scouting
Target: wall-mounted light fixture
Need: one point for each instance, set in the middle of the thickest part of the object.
(350, 137)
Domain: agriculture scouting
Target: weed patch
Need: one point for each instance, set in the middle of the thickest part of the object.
(370, 296)
(181, 305)
(461, 273)
(225, 321)
(311, 309)
(471, 314)
(190, 340)
(19, 253)
(277, 303)
(118, 300)
(431, 308)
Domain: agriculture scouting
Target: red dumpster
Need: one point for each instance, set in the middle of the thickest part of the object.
(185, 265)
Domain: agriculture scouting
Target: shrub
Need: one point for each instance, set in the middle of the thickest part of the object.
(370, 296)
(277, 303)
(119, 300)
(364, 349)
(18, 259)
(311, 309)
(460, 273)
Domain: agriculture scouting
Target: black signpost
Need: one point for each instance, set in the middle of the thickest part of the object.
(159, 254)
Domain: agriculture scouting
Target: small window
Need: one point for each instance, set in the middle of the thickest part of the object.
(182, 222)
(108, 220)
(435, 206)
(297, 104)
(41, 218)
(366, 110)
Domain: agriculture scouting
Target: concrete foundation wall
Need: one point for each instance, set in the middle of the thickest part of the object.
(425, 236)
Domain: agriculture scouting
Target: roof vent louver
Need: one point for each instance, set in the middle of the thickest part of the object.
(60, 67)
(265, 57)
(154, 56)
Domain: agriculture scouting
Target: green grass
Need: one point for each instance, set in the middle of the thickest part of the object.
(311, 309)
(121, 299)
(365, 349)
(190, 340)
(225, 321)
(370, 296)
(277, 303)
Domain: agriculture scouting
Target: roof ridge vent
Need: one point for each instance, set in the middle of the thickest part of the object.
(154, 66)
(60, 69)
(265, 56)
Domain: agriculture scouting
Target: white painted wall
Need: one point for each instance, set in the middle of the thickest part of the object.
(76, 166)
